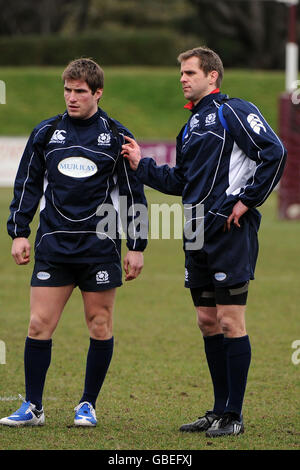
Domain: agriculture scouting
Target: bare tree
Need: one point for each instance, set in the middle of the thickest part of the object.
(43, 17)
(254, 28)
(246, 33)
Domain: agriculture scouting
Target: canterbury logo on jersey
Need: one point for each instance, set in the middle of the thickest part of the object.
(194, 121)
(256, 123)
(58, 137)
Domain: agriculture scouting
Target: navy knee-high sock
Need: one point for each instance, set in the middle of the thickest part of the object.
(238, 352)
(37, 358)
(97, 364)
(216, 359)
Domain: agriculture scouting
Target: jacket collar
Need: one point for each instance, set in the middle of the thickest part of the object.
(215, 94)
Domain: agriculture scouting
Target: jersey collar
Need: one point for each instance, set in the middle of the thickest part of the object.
(86, 122)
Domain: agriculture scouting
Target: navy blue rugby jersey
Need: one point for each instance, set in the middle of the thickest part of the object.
(216, 166)
(72, 178)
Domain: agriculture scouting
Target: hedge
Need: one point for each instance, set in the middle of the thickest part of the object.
(108, 48)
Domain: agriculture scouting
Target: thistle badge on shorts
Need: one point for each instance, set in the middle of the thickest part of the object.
(102, 277)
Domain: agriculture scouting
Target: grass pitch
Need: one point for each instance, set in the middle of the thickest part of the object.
(158, 378)
(149, 101)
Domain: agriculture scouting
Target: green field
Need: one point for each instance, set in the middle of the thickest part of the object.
(148, 101)
(158, 377)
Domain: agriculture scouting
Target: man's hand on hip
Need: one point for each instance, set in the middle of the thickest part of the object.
(238, 210)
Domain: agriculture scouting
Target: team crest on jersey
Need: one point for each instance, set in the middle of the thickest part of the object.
(194, 121)
(59, 137)
(256, 123)
(210, 119)
(104, 139)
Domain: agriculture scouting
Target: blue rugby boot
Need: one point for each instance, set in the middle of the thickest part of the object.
(26, 415)
(85, 415)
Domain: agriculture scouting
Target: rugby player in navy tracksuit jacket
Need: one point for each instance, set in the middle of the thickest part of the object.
(72, 169)
(228, 162)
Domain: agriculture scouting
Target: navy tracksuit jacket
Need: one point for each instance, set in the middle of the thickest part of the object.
(216, 166)
(78, 171)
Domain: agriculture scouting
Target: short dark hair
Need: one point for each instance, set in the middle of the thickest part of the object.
(208, 61)
(87, 70)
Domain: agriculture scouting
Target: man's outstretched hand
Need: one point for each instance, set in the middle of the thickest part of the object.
(132, 152)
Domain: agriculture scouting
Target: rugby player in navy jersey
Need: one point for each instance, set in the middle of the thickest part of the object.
(228, 161)
(72, 168)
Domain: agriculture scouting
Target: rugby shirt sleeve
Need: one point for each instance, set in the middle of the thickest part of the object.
(28, 189)
(163, 178)
(256, 138)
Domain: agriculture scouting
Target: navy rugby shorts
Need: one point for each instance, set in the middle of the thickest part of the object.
(226, 259)
(88, 277)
